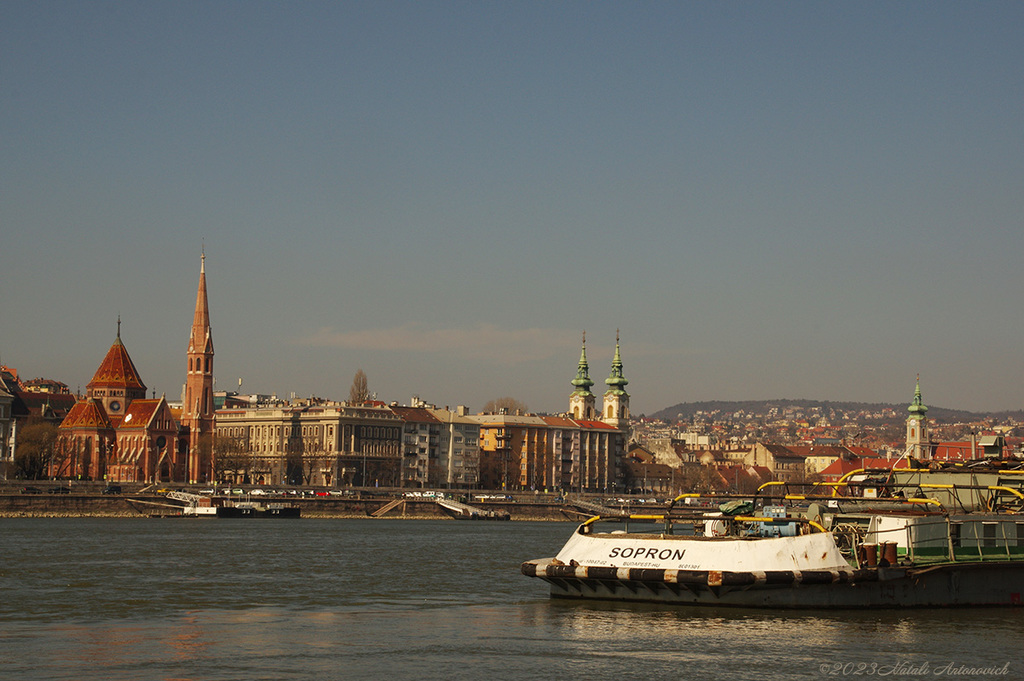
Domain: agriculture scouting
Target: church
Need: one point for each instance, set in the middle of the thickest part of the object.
(116, 434)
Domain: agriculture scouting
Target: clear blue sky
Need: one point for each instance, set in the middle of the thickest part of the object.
(771, 200)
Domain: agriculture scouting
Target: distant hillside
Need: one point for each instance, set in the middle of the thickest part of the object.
(686, 410)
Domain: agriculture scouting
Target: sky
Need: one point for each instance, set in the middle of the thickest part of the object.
(765, 200)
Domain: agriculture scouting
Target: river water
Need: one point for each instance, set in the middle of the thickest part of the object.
(213, 600)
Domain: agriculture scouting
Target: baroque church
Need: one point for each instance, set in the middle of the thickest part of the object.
(116, 434)
(582, 402)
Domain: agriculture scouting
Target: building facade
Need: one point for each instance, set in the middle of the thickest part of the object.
(583, 450)
(326, 444)
(7, 439)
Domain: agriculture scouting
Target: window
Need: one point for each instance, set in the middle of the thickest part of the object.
(988, 532)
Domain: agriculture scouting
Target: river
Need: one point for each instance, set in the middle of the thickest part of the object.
(215, 600)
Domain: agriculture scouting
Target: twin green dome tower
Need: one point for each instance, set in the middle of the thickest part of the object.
(582, 402)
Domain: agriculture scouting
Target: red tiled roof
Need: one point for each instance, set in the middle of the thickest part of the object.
(594, 425)
(839, 468)
(559, 421)
(957, 451)
(139, 414)
(35, 403)
(117, 370)
(88, 413)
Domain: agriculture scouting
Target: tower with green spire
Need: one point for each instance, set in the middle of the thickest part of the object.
(582, 401)
(615, 410)
(917, 426)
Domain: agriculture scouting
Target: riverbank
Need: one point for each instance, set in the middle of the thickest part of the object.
(98, 505)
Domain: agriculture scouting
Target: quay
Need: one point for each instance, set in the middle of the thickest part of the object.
(87, 499)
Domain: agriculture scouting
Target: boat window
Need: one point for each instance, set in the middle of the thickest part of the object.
(989, 534)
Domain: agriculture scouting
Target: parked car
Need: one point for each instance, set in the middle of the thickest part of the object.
(60, 490)
(31, 490)
(112, 489)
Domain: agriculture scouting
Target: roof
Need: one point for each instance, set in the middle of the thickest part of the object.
(839, 468)
(559, 421)
(88, 413)
(783, 452)
(117, 370)
(35, 404)
(595, 425)
(504, 420)
(139, 414)
(415, 414)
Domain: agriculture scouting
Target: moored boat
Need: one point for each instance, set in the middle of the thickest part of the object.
(851, 553)
(250, 509)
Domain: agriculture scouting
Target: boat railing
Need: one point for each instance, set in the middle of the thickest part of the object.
(696, 520)
(981, 538)
(965, 497)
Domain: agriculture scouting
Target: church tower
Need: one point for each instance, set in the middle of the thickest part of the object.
(197, 409)
(581, 401)
(615, 409)
(917, 427)
(117, 382)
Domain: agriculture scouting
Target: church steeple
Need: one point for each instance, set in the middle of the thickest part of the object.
(581, 401)
(116, 382)
(198, 403)
(615, 381)
(918, 438)
(201, 341)
(917, 409)
(615, 410)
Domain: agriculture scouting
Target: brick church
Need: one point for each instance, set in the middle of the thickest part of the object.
(116, 434)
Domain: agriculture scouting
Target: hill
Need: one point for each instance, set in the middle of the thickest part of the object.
(687, 410)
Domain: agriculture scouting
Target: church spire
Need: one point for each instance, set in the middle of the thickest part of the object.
(615, 410)
(918, 438)
(583, 381)
(197, 410)
(201, 339)
(581, 401)
(616, 382)
(917, 408)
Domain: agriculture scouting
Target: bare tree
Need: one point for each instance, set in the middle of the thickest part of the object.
(231, 455)
(36, 450)
(360, 391)
(510, 404)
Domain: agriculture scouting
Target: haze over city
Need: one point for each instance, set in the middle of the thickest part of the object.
(769, 200)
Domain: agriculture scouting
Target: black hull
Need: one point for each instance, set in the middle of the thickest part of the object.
(997, 583)
(247, 512)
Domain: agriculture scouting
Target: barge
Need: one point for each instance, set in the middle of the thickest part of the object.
(849, 553)
(251, 509)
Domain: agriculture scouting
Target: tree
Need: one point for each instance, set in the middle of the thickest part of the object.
(510, 404)
(231, 455)
(360, 391)
(36, 449)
